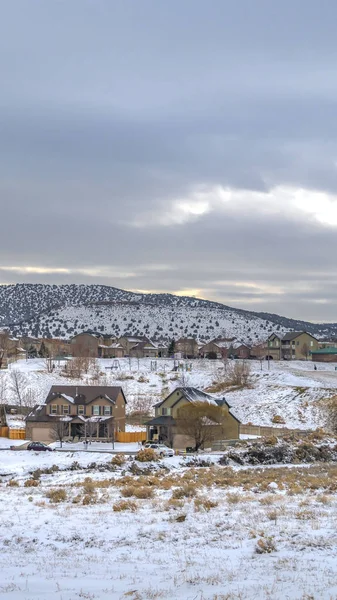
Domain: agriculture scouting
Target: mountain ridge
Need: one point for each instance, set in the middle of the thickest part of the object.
(51, 310)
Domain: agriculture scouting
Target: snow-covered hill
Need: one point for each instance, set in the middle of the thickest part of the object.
(158, 322)
(63, 310)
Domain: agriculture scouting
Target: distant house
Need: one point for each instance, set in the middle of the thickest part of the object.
(328, 355)
(110, 350)
(10, 349)
(95, 411)
(148, 349)
(163, 427)
(85, 344)
(187, 347)
(218, 347)
(239, 350)
(298, 345)
(129, 341)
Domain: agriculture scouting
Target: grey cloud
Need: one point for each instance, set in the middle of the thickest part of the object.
(111, 110)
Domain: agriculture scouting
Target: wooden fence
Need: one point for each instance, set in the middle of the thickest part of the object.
(267, 431)
(13, 434)
(127, 437)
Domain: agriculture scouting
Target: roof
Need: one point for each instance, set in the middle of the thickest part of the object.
(192, 395)
(84, 394)
(292, 335)
(325, 351)
(163, 420)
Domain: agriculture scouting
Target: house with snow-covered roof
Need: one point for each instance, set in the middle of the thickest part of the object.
(98, 411)
(164, 427)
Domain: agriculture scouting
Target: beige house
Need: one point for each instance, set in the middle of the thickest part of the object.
(10, 349)
(298, 345)
(163, 427)
(97, 412)
(148, 349)
(217, 347)
(129, 342)
(85, 344)
(187, 347)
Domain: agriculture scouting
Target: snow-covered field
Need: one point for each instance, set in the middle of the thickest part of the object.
(292, 390)
(202, 534)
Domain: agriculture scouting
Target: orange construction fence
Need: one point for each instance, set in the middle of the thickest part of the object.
(127, 437)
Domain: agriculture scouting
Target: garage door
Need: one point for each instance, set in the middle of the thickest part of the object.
(41, 434)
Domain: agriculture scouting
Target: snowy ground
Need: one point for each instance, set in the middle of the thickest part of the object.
(203, 546)
(292, 390)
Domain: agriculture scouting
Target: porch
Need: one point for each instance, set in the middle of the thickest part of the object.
(161, 429)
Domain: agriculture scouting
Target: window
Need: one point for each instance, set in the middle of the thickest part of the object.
(65, 409)
(107, 410)
(53, 409)
(80, 409)
(311, 343)
(165, 411)
(96, 410)
(297, 343)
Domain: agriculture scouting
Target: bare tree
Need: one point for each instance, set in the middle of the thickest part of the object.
(18, 385)
(49, 364)
(3, 388)
(239, 374)
(59, 430)
(201, 422)
(4, 346)
(260, 352)
(305, 350)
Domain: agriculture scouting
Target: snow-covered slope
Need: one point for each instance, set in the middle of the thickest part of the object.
(62, 310)
(159, 322)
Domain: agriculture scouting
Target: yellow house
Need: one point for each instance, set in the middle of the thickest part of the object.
(163, 428)
(298, 345)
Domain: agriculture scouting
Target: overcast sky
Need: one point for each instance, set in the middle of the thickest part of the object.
(185, 146)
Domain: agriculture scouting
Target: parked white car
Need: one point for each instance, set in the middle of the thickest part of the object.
(161, 449)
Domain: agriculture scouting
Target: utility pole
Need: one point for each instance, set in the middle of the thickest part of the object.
(268, 355)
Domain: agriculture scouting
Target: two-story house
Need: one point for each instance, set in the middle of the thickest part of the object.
(95, 411)
(187, 348)
(164, 427)
(298, 345)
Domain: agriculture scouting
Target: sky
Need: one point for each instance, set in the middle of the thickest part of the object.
(186, 146)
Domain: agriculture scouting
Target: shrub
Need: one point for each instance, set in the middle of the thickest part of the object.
(89, 499)
(278, 419)
(143, 492)
(124, 505)
(147, 455)
(13, 483)
(265, 546)
(118, 460)
(128, 491)
(57, 495)
(233, 498)
(204, 504)
(186, 491)
(31, 483)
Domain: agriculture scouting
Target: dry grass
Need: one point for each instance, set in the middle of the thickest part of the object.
(122, 505)
(147, 455)
(188, 490)
(204, 504)
(13, 483)
(32, 483)
(57, 495)
(265, 545)
(118, 460)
